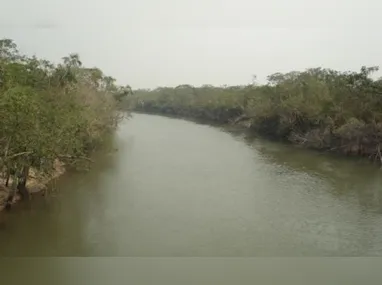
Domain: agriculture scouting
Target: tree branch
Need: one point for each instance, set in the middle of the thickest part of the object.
(75, 157)
(18, 154)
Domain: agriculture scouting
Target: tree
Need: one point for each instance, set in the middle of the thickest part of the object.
(50, 112)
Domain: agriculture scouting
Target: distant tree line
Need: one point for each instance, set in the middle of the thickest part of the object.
(318, 108)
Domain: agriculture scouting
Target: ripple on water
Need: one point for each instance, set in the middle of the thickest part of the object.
(176, 188)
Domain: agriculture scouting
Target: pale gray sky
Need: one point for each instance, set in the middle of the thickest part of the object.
(150, 43)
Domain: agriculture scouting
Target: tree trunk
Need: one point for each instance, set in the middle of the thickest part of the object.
(12, 192)
(21, 186)
(7, 179)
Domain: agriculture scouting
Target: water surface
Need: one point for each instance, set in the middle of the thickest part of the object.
(176, 188)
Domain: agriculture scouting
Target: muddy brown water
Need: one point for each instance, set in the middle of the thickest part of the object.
(177, 188)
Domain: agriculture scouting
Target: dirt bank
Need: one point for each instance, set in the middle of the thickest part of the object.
(36, 182)
(365, 145)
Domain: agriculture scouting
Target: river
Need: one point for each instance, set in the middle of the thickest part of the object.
(177, 188)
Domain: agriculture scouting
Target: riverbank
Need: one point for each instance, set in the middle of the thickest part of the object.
(36, 183)
(320, 109)
(242, 123)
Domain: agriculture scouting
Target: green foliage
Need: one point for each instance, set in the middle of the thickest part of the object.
(49, 111)
(206, 102)
(320, 108)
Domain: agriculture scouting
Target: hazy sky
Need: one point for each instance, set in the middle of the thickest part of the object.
(150, 43)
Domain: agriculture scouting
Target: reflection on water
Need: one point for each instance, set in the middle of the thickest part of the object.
(176, 188)
(356, 179)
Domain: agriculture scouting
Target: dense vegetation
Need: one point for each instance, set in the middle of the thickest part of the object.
(50, 112)
(318, 108)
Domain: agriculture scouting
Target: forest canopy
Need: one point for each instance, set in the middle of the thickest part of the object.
(51, 111)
